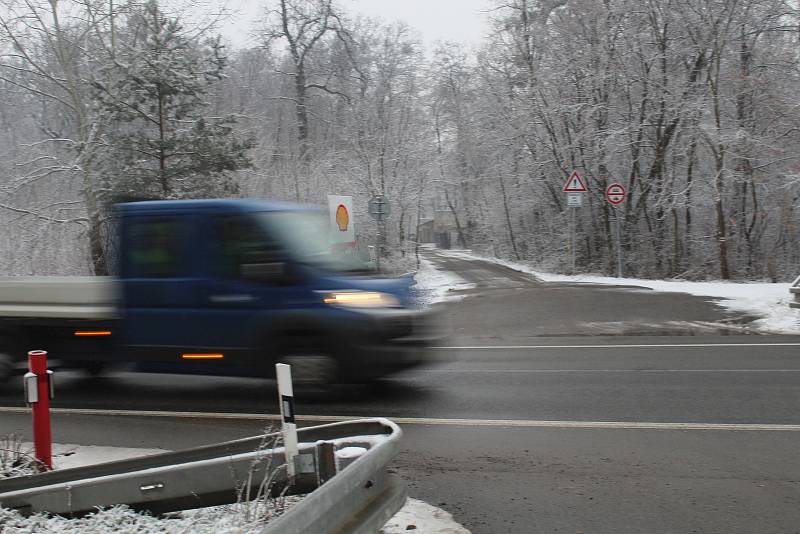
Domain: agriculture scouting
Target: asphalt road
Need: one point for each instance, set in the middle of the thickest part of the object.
(508, 307)
(678, 422)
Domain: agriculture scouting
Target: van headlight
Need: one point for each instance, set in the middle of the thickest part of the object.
(360, 299)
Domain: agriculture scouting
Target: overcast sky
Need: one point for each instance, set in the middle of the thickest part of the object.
(447, 20)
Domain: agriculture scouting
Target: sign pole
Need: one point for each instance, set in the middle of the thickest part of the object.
(574, 188)
(378, 245)
(619, 241)
(572, 239)
(615, 194)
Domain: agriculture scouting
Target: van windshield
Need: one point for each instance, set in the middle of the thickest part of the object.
(306, 236)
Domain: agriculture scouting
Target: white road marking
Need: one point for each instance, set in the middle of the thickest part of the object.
(506, 423)
(666, 345)
(612, 370)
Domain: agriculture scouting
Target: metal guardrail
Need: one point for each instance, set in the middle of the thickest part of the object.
(359, 498)
(795, 289)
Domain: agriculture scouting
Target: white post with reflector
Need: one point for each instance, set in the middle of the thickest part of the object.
(283, 373)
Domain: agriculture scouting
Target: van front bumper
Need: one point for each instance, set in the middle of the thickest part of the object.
(390, 341)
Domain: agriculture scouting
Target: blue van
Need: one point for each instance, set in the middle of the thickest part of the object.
(231, 287)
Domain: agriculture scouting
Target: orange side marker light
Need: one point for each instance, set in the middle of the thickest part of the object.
(92, 333)
(202, 356)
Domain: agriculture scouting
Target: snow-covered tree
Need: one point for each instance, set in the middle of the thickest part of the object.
(162, 143)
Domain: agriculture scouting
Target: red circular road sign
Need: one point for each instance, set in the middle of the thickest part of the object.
(615, 194)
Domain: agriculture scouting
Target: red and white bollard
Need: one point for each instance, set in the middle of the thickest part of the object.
(38, 392)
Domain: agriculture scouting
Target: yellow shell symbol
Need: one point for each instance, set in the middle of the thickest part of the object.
(342, 218)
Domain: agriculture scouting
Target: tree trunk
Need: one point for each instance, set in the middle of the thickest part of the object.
(687, 230)
(301, 114)
(508, 218)
(162, 158)
(461, 238)
(724, 270)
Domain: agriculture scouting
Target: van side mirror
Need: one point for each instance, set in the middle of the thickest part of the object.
(273, 272)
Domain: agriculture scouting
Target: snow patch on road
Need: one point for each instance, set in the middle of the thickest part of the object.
(768, 301)
(419, 516)
(433, 285)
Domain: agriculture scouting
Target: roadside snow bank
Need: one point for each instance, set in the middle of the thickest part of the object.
(15, 458)
(769, 302)
(232, 519)
(239, 518)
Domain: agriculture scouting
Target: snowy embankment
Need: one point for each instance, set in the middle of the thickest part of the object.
(242, 517)
(767, 301)
(239, 518)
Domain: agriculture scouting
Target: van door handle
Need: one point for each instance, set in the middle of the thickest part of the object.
(229, 299)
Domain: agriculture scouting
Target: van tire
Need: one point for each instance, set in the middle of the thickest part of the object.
(311, 369)
(6, 367)
(95, 369)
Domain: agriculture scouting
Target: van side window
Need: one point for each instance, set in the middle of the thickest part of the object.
(155, 248)
(238, 240)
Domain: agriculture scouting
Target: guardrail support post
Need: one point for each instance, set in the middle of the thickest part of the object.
(38, 392)
(288, 427)
(326, 461)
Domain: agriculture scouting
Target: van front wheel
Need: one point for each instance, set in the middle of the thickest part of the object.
(312, 370)
(94, 369)
(6, 367)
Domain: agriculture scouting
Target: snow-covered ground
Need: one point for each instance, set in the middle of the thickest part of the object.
(769, 302)
(240, 518)
(121, 519)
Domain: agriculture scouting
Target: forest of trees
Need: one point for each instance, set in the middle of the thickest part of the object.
(692, 105)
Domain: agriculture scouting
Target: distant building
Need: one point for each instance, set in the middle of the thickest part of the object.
(441, 229)
(425, 231)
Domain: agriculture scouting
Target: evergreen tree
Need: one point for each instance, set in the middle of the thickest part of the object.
(162, 144)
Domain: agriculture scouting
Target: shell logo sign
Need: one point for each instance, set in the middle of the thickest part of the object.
(342, 222)
(342, 218)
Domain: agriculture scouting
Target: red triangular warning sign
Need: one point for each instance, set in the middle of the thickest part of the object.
(575, 184)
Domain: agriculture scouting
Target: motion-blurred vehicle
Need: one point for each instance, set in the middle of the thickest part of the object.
(222, 287)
